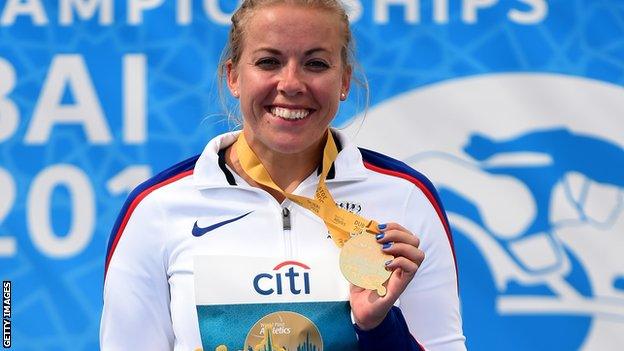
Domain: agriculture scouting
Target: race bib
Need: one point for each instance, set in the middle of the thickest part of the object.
(255, 303)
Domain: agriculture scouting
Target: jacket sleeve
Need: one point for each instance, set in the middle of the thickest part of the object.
(430, 304)
(391, 334)
(136, 292)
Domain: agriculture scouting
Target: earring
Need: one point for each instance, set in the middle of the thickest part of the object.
(343, 96)
(235, 93)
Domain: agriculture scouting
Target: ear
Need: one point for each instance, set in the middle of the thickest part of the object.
(346, 82)
(232, 78)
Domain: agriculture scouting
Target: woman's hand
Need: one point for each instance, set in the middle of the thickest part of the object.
(369, 309)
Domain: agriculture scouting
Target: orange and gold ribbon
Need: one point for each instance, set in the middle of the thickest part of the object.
(341, 223)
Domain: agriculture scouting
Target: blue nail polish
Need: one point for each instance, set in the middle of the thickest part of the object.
(386, 245)
(381, 226)
(379, 236)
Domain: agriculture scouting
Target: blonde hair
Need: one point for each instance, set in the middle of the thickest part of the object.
(240, 18)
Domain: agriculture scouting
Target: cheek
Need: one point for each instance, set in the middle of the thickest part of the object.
(330, 99)
(253, 93)
(251, 80)
(328, 90)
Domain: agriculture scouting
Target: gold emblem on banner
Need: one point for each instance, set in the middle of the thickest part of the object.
(363, 263)
(282, 331)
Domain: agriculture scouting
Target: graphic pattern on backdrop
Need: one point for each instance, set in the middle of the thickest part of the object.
(90, 105)
(536, 204)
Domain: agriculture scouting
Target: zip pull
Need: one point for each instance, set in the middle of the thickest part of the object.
(286, 218)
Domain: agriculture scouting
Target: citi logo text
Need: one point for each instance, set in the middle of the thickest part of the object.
(283, 280)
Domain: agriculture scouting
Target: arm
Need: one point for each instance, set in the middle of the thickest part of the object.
(427, 288)
(391, 334)
(430, 303)
(136, 292)
(378, 324)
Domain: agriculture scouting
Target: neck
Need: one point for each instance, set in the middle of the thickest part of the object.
(287, 170)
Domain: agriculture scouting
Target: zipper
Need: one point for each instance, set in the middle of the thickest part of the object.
(286, 218)
(286, 226)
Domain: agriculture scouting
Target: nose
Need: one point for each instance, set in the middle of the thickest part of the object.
(291, 81)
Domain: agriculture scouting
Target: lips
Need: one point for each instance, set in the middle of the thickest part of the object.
(289, 113)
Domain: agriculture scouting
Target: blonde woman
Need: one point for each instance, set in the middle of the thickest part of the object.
(188, 257)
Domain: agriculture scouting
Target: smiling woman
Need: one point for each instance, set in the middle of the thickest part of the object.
(250, 230)
(289, 77)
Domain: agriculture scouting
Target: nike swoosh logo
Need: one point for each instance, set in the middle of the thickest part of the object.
(198, 231)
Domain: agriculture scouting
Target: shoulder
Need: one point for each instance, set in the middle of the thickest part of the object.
(170, 175)
(382, 164)
(390, 167)
(425, 195)
(140, 199)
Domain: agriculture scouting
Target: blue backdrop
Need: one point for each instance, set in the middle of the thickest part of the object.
(96, 96)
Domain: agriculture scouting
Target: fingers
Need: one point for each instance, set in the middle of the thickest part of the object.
(406, 265)
(398, 282)
(393, 232)
(400, 242)
(409, 252)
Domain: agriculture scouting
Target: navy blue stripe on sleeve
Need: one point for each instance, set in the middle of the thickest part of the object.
(392, 334)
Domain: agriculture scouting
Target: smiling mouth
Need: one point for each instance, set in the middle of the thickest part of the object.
(289, 113)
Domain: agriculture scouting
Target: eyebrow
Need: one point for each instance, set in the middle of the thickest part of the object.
(277, 52)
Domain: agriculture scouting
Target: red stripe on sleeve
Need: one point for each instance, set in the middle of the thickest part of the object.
(429, 196)
(131, 208)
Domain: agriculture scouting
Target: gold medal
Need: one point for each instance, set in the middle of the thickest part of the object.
(361, 260)
(363, 263)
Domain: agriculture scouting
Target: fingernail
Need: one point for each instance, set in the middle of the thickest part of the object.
(379, 236)
(386, 246)
(381, 226)
(387, 263)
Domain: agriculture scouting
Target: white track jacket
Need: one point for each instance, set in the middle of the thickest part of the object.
(198, 257)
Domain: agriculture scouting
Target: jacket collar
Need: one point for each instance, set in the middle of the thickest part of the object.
(207, 174)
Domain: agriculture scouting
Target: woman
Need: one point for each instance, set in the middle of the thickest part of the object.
(235, 249)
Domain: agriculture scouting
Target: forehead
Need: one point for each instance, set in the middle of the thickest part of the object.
(292, 27)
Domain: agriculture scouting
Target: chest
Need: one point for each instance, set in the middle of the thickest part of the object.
(234, 259)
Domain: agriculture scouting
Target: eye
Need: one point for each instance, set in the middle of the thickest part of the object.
(317, 65)
(267, 63)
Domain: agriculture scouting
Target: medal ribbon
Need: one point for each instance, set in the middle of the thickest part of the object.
(340, 222)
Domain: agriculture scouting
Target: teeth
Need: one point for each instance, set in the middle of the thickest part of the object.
(287, 113)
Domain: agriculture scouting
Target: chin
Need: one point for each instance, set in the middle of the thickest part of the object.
(290, 147)
(288, 141)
